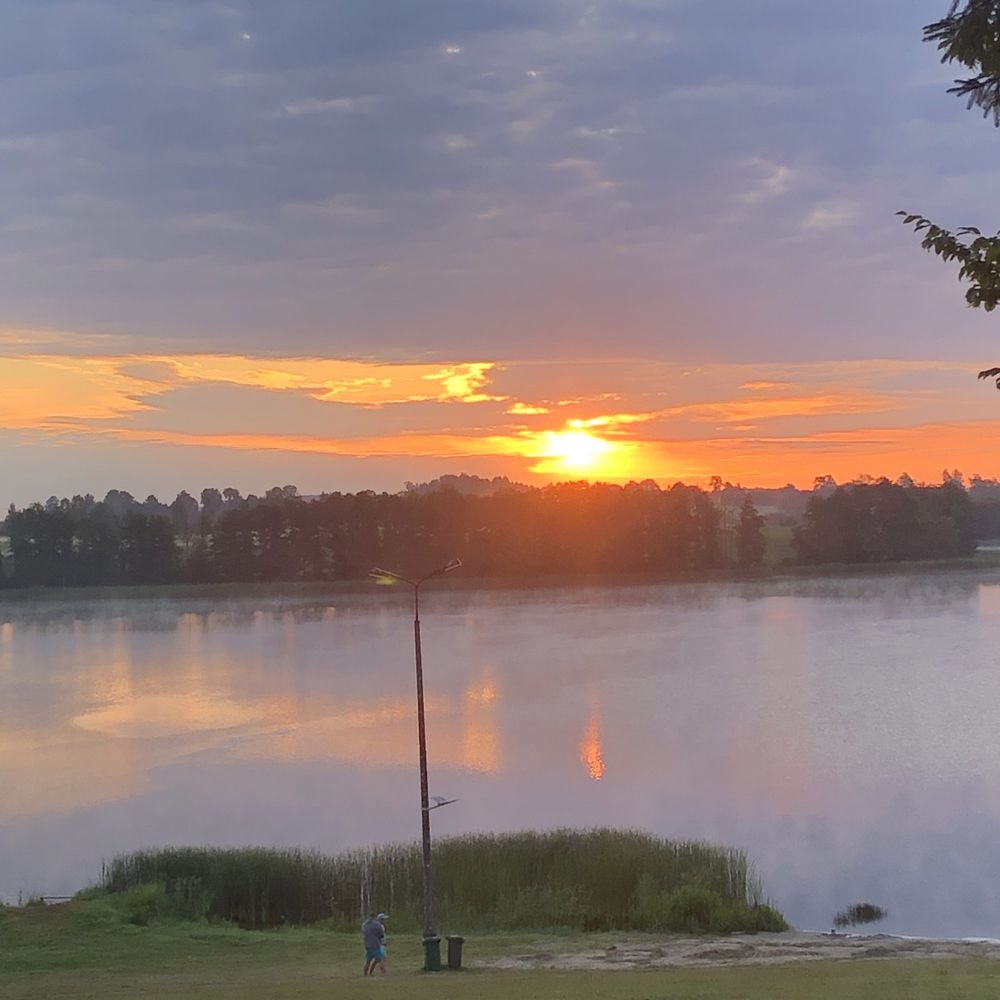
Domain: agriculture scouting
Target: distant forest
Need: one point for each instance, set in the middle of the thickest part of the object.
(497, 528)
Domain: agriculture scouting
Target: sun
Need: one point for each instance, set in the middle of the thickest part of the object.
(574, 451)
(577, 453)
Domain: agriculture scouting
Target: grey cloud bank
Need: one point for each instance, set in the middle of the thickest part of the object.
(407, 180)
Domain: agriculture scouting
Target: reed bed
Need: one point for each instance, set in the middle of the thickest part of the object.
(600, 879)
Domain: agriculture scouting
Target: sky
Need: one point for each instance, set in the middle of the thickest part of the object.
(346, 244)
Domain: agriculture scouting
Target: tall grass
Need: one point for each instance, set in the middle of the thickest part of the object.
(597, 879)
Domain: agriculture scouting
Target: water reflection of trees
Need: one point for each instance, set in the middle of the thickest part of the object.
(157, 616)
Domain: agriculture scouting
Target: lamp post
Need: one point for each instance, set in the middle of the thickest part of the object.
(386, 577)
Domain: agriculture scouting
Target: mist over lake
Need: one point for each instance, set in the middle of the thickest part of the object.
(845, 732)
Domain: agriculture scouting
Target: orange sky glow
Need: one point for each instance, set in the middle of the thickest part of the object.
(616, 421)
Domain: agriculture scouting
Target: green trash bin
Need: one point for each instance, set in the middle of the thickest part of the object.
(455, 943)
(432, 954)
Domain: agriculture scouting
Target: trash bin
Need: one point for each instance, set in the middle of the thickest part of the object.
(455, 951)
(432, 954)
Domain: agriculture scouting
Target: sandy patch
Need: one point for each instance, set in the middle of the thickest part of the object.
(750, 949)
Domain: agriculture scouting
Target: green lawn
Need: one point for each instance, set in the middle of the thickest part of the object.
(85, 950)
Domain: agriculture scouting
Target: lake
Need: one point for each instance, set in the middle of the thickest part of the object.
(845, 732)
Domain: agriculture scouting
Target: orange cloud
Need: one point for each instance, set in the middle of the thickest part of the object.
(365, 383)
(47, 392)
(402, 445)
(816, 404)
(659, 427)
(524, 409)
(763, 385)
(463, 382)
(612, 420)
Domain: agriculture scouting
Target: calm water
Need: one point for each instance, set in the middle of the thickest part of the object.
(846, 733)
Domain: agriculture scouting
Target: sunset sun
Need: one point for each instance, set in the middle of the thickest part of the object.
(576, 451)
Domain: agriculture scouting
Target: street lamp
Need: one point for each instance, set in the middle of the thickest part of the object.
(385, 576)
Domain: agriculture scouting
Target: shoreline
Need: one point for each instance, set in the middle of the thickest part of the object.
(984, 562)
(673, 951)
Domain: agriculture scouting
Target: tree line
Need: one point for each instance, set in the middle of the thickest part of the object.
(882, 521)
(566, 529)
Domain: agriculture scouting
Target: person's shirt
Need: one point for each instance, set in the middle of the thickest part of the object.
(373, 933)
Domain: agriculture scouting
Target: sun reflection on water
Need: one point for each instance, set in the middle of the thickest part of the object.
(480, 732)
(148, 716)
(130, 706)
(591, 748)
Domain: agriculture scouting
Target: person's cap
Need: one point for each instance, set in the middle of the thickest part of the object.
(382, 916)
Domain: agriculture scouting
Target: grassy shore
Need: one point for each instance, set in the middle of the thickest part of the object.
(83, 949)
(597, 879)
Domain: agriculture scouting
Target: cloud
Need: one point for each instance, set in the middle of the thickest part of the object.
(395, 446)
(756, 409)
(587, 170)
(239, 192)
(528, 410)
(363, 383)
(763, 385)
(463, 382)
(207, 221)
(831, 215)
(652, 420)
(53, 393)
(320, 106)
(58, 391)
(456, 143)
(775, 181)
(355, 407)
(40, 339)
(611, 420)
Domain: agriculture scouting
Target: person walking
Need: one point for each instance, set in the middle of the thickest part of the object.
(373, 933)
